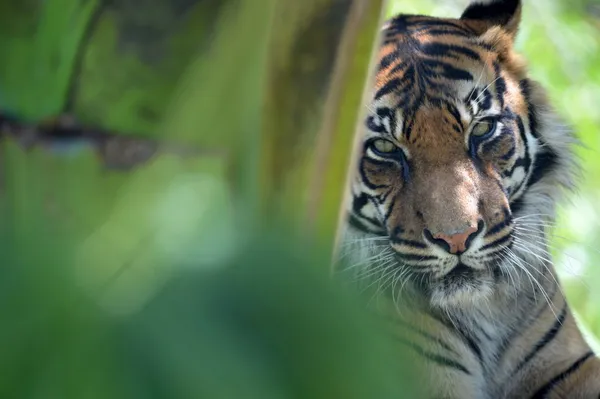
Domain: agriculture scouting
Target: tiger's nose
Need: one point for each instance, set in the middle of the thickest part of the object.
(456, 243)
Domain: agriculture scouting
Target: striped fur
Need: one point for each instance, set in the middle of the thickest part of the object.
(458, 138)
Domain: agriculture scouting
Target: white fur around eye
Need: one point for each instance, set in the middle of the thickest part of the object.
(382, 122)
(376, 119)
(387, 124)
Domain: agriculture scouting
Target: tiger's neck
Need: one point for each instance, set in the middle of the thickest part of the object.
(499, 342)
(489, 324)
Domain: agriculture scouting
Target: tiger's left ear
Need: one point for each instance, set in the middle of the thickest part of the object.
(484, 15)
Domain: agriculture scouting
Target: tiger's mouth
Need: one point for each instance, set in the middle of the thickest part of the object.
(461, 286)
(459, 274)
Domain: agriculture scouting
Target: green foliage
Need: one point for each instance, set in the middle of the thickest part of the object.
(160, 282)
(39, 45)
(259, 324)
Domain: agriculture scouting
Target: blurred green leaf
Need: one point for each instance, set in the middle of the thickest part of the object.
(261, 324)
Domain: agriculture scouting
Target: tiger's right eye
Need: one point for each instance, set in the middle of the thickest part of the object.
(484, 128)
(384, 147)
(391, 152)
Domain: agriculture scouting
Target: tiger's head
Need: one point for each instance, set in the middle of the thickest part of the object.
(459, 149)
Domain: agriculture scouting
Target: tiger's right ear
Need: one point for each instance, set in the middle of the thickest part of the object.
(484, 15)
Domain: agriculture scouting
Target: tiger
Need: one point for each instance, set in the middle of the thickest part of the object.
(461, 163)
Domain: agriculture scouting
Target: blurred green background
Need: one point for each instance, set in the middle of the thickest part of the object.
(172, 238)
(138, 259)
(561, 42)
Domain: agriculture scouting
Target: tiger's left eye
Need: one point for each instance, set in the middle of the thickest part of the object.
(484, 128)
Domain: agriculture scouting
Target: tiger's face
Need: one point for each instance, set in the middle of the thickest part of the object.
(449, 148)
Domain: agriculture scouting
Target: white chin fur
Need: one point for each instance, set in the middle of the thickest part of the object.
(468, 295)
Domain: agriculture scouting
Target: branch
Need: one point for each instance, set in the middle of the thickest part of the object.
(63, 135)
